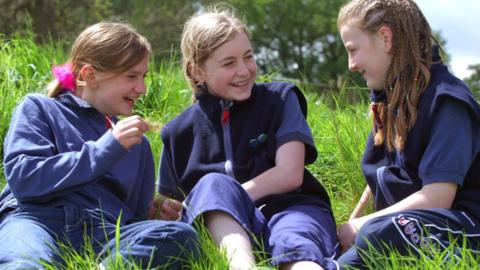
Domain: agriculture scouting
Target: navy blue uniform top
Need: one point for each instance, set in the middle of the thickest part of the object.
(443, 146)
(239, 139)
(58, 152)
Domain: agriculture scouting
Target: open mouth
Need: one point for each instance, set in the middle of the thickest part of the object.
(241, 83)
(130, 100)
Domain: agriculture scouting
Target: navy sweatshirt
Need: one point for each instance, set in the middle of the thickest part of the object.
(214, 135)
(59, 153)
(443, 146)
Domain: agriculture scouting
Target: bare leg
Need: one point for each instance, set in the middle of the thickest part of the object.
(231, 237)
(303, 265)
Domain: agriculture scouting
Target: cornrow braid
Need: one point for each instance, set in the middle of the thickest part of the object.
(408, 74)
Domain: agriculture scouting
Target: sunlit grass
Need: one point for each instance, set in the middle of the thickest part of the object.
(455, 256)
(339, 129)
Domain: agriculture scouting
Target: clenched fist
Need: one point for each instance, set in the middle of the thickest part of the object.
(129, 131)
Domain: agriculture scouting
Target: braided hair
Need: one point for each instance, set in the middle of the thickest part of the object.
(408, 74)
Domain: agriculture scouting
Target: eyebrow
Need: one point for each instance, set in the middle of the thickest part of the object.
(228, 58)
(136, 72)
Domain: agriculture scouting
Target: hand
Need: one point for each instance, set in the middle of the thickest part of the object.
(165, 208)
(129, 131)
(346, 234)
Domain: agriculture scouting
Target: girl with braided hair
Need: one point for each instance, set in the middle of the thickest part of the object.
(422, 160)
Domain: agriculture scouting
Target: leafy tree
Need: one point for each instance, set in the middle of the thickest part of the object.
(474, 80)
(14, 15)
(297, 38)
(159, 20)
(52, 18)
(437, 35)
(162, 22)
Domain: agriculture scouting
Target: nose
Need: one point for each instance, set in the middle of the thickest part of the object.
(243, 69)
(140, 87)
(352, 65)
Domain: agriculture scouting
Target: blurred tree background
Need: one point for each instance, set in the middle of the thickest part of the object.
(474, 80)
(293, 39)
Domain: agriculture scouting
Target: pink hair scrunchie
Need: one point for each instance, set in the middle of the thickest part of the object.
(64, 74)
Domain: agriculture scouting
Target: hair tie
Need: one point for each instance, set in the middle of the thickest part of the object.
(64, 75)
(376, 116)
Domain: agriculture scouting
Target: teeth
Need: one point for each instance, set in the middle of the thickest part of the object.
(240, 83)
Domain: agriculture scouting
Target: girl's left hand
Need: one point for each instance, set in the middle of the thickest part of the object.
(165, 208)
(346, 234)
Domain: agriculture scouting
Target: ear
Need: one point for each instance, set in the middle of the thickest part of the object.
(196, 73)
(386, 35)
(88, 76)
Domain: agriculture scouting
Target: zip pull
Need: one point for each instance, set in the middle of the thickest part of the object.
(225, 115)
(109, 124)
(225, 111)
(227, 139)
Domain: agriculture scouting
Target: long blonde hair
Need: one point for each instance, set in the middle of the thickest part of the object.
(203, 33)
(107, 47)
(408, 74)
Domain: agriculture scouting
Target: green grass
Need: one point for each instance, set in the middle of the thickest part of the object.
(339, 130)
(24, 68)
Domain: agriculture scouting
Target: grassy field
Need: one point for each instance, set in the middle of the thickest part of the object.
(339, 130)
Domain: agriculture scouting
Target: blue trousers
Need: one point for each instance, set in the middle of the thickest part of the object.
(298, 233)
(412, 231)
(33, 234)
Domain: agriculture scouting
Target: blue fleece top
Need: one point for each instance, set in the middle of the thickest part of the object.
(58, 152)
(443, 146)
(215, 136)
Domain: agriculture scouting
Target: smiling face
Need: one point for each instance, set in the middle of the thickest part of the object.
(368, 54)
(115, 94)
(230, 71)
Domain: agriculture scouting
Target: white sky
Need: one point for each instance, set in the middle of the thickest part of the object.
(459, 24)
